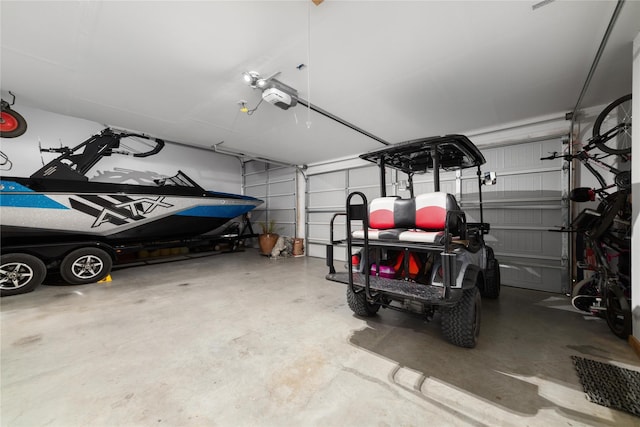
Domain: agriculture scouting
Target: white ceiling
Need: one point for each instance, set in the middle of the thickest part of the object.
(399, 70)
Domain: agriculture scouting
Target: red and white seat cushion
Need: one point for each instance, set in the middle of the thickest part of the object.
(421, 236)
(421, 219)
(431, 217)
(381, 213)
(431, 210)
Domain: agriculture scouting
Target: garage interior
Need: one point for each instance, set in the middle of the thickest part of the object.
(218, 337)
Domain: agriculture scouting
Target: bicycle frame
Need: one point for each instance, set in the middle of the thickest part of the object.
(584, 157)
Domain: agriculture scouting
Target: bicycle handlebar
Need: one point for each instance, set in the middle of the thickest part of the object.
(555, 155)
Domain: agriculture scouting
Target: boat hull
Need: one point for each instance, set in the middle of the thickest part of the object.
(113, 213)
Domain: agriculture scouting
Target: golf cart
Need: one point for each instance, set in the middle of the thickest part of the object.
(419, 254)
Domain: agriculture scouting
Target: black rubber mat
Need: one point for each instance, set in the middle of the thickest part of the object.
(609, 385)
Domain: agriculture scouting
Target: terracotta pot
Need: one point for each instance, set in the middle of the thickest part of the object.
(298, 246)
(267, 242)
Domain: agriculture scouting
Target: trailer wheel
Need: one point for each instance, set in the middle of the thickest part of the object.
(461, 323)
(20, 273)
(85, 265)
(359, 305)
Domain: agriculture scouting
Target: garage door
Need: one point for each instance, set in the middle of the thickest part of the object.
(327, 194)
(522, 207)
(526, 202)
(276, 185)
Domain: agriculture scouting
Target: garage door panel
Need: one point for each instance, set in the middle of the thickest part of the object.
(254, 179)
(517, 157)
(320, 232)
(515, 272)
(527, 242)
(318, 226)
(324, 218)
(327, 199)
(362, 177)
(501, 199)
(525, 217)
(283, 187)
(283, 215)
(317, 251)
(542, 181)
(531, 182)
(370, 193)
(317, 231)
(280, 174)
(281, 202)
(339, 255)
(258, 216)
(428, 177)
(427, 187)
(327, 181)
(259, 191)
(285, 222)
(254, 167)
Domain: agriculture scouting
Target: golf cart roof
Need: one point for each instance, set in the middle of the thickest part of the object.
(416, 156)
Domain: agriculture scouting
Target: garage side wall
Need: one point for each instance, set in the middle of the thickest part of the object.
(211, 170)
(635, 179)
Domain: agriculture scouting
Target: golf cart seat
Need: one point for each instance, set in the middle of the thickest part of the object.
(423, 219)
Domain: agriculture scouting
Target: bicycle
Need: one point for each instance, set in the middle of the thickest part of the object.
(607, 292)
(614, 209)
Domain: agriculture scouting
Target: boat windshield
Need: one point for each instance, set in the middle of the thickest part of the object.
(179, 180)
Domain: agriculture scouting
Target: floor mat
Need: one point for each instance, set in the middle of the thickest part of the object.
(609, 385)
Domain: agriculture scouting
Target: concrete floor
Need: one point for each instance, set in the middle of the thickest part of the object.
(242, 340)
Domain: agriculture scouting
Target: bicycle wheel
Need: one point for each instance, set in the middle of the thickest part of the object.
(612, 128)
(618, 314)
(614, 228)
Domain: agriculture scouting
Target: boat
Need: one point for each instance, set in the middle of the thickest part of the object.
(59, 220)
(58, 202)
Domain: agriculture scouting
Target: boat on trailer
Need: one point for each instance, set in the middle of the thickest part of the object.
(58, 210)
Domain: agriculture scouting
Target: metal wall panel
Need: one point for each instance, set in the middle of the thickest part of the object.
(276, 185)
(327, 194)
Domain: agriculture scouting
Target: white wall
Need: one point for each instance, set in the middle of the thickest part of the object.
(635, 179)
(213, 171)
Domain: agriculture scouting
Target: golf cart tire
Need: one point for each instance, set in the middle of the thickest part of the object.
(359, 305)
(491, 287)
(461, 322)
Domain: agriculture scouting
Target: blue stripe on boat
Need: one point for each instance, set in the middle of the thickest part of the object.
(30, 200)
